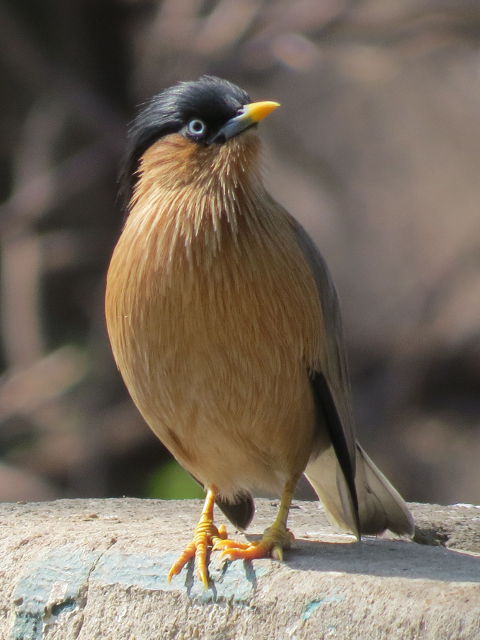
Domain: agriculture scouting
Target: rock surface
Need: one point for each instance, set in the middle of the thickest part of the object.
(96, 569)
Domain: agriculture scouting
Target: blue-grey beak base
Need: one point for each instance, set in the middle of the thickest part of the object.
(233, 127)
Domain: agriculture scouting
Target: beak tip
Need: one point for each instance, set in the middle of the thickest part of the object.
(257, 111)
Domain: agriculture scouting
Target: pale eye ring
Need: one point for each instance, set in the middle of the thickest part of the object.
(196, 127)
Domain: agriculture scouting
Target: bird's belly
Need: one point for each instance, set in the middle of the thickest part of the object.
(235, 434)
(236, 415)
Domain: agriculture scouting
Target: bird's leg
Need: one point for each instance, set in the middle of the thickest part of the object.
(274, 540)
(205, 537)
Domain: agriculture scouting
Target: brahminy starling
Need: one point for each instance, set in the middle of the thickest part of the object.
(225, 325)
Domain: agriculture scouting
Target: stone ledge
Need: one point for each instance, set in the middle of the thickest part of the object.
(96, 569)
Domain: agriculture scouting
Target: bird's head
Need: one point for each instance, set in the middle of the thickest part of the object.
(194, 134)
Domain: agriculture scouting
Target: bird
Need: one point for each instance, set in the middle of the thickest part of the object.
(226, 327)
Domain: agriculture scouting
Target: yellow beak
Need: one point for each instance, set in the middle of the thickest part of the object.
(256, 111)
(249, 115)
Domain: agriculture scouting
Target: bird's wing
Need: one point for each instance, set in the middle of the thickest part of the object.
(334, 366)
(335, 480)
(353, 490)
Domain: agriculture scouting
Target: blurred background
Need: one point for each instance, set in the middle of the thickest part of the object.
(376, 150)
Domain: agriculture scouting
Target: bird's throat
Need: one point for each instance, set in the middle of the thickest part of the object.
(190, 217)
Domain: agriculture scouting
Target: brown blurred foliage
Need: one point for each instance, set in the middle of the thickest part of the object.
(376, 150)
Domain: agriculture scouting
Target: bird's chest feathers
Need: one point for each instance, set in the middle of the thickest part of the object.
(214, 301)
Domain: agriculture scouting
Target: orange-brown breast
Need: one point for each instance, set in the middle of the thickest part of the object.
(214, 317)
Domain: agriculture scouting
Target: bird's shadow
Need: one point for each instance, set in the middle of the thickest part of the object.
(374, 557)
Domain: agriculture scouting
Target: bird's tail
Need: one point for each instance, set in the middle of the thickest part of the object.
(380, 506)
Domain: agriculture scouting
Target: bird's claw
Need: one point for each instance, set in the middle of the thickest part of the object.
(273, 542)
(206, 537)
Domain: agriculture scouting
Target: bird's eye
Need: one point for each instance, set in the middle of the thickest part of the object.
(196, 128)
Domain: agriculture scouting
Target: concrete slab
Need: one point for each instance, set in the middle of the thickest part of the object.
(88, 569)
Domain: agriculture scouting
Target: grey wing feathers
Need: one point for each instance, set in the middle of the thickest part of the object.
(335, 368)
(381, 506)
(372, 505)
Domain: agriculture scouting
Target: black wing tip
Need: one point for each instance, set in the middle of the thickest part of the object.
(326, 406)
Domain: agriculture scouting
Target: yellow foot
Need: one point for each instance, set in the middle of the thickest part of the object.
(274, 540)
(205, 537)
